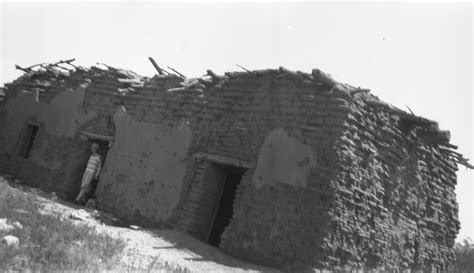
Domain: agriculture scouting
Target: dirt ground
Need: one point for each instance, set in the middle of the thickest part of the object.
(146, 248)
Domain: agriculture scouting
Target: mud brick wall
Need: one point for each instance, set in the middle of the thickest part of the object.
(146, 100)
(395, 204)
(280, 222)
(153, 104)
(240, 113)
(100, 93)
(65, 158)
(3, 118)
(47, 84)
(280, 225)
(130, 107)
(197, 211)
(143, 175)
(332, 177)
(27, 172)
(55, 164)
(56, 161)
(102, 125)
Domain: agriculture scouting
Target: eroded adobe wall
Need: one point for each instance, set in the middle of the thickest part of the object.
(283, 160)
(143, 174)
(396, 206)
(146, 168)
(144, 171)
(281, 207)
(3, 119)
(60, 116)
(282, 130)
(330, 179)
(54, 103)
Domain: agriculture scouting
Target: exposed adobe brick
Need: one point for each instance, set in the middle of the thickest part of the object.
(380, 195)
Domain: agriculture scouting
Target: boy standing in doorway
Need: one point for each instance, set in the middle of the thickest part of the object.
(92, 172)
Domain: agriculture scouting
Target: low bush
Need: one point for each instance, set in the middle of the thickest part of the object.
(464, 256)
(49, 243)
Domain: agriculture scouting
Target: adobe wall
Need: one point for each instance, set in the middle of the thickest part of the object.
(282, 130)
(145, 167)
(395, 203)
(331, 179)
(283, 160)
(3, 119)
(265, 124)
(60, 116)
(145, 174)
(56, 108)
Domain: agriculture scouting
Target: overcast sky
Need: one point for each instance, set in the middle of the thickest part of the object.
(416, 55)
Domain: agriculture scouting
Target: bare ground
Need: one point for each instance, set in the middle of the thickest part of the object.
(148, 249)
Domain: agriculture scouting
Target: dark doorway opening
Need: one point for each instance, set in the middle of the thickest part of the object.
(27, 140)
(225, 210)
(103, 149)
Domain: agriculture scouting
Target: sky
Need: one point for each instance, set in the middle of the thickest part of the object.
(409, 54)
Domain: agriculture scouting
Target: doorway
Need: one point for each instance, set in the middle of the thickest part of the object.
(103, 149)
(224, 210)
(27, 140)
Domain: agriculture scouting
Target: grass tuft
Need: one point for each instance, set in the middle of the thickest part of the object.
(49, 243)
(464, 256)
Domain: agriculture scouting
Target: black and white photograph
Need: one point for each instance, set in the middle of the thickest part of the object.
(236, 136)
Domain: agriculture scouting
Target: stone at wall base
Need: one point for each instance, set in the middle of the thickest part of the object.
(11, 241)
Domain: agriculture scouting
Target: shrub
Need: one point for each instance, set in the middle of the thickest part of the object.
(49, 243)
(464, 256)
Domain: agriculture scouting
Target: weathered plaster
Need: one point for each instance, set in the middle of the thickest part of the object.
(60, 118)
(283, 159)
(43, 153)
(145, 168)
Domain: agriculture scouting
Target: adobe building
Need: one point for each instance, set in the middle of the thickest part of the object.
(277, 167)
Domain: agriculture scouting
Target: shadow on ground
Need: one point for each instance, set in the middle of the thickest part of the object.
(168, 245)
(203, 251)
